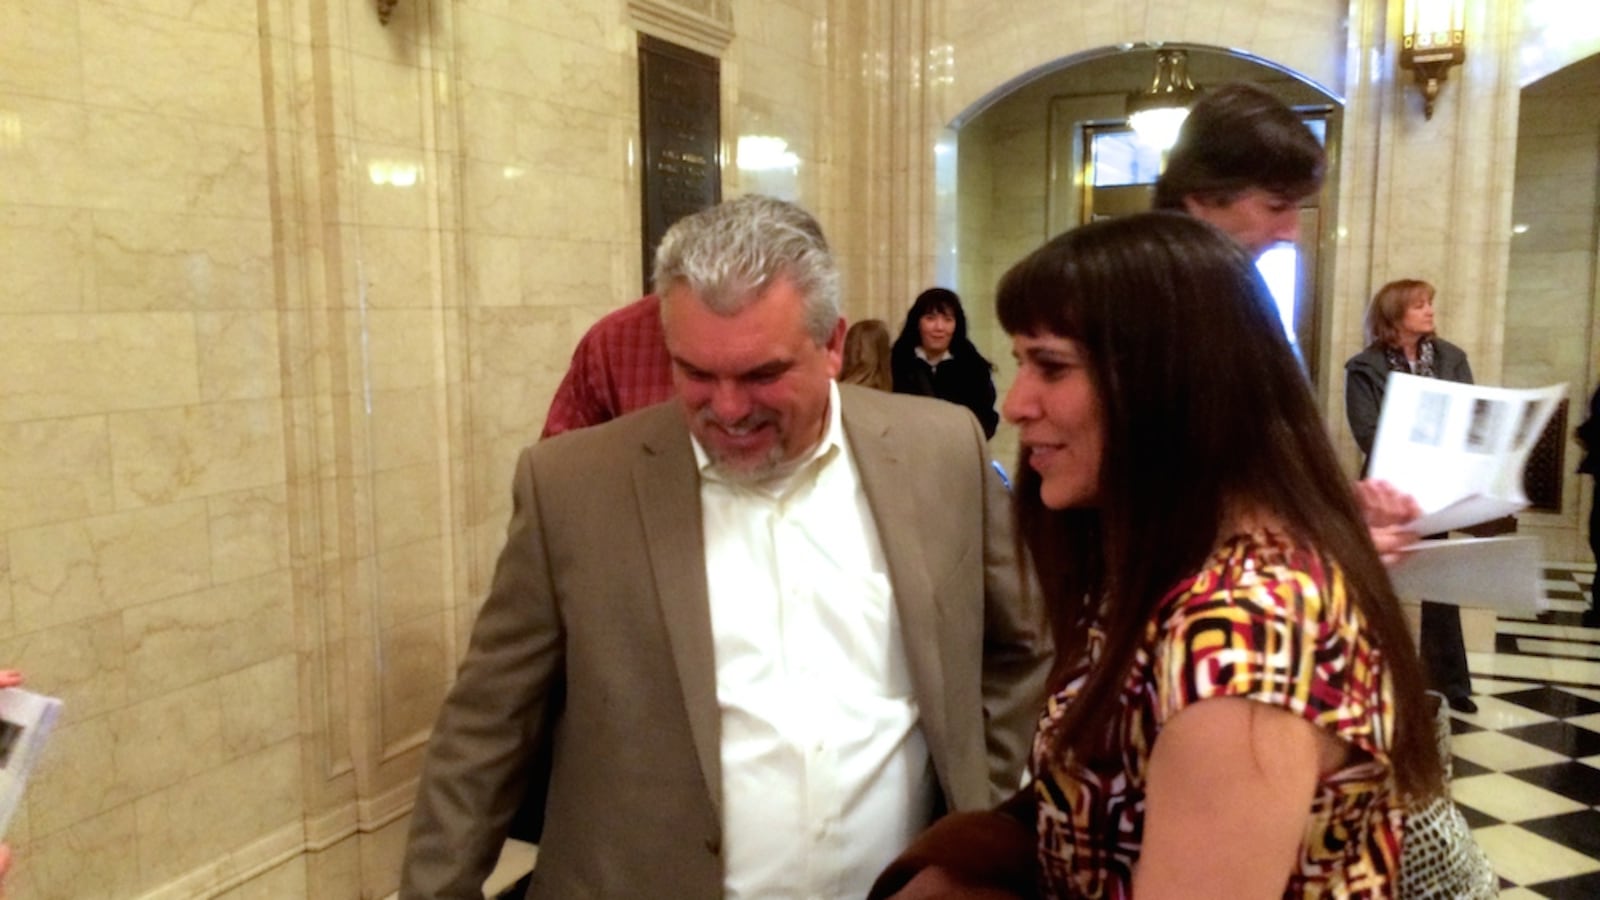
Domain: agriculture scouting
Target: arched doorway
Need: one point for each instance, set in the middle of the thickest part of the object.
(1053, 149)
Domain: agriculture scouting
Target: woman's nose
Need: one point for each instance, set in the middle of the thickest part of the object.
(1019, 405)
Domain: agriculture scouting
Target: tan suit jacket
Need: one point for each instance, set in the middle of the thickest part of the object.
(594, 648)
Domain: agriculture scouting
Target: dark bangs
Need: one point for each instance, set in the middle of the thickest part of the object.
(1042, 294)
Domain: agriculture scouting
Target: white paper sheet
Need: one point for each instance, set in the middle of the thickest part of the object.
(25, 721)
(1500, 573)
(1460, 449)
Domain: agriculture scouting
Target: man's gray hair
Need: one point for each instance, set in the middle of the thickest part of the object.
(728, 254)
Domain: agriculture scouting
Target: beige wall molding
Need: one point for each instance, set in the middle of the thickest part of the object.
(221, 875)
(703, 25)
(315, 835)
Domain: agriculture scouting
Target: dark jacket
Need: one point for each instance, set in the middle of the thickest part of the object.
(959, 378)
(1366, 373)
(1589, 436)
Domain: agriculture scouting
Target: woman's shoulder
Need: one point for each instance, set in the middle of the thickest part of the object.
(1370, 358)
(1254, 574)
(1443, 349)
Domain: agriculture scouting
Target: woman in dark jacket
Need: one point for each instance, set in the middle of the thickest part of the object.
(1400, 338)
(934, 357)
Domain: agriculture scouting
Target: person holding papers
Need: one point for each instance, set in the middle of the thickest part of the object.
(1400, 338)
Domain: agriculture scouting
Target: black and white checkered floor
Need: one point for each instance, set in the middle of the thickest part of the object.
(1527, 764)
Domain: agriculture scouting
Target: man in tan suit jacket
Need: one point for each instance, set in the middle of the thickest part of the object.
(596, 648)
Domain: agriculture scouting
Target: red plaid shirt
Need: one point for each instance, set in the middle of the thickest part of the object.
(620, 365)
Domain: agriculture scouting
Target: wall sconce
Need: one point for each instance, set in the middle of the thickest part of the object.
(1433, 38)
(1156, 114)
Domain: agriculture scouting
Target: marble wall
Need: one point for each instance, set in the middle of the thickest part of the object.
(1552, 298)
(287, 289)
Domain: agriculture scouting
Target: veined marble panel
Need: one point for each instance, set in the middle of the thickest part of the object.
(407, 505)
(260, 706)
(119, 45)
(147, 262)
(54, 470)
(414, 679)
(188, 639)
(45, 264)
(249, 532)
(164, 455)
(41, 45)
(84, 569)
(69, 365)
(95, 858)
(198, 820)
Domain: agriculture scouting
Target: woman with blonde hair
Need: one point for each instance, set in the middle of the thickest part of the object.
(866, 355)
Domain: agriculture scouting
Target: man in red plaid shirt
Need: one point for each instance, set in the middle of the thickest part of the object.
(620, 365)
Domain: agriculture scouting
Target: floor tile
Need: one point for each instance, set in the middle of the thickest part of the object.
(1520, 893)
(1583, 887)
(1476, 819)
(1578, 831)
(1482, 685)
(1509, 800)
(1590, 721)
(1568, 740)
(1499, 712)
(1526, 858)
(1546, 647)
(1553, 632)
(1463, 768)
(1538, 668)
(1569, 779)
(1502, 753)
(1552, 701)
(1586, 693)
(1591, 761)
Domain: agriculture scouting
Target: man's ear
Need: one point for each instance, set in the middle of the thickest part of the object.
(834, 348)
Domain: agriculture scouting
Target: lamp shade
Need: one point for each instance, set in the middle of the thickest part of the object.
(1157, 112)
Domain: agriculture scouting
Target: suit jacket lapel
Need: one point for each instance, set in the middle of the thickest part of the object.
(668, 489)
(891, 495)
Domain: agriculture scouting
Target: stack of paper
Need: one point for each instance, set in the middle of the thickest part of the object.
(25, 722)
(1460, 450)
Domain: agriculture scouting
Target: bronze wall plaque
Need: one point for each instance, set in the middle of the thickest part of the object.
(680, 130)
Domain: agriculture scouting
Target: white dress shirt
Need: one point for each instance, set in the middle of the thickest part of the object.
(826, 776)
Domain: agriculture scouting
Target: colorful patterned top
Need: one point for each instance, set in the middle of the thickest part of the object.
(1267, 619)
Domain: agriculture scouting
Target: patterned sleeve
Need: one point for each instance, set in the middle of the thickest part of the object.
(1281, 634)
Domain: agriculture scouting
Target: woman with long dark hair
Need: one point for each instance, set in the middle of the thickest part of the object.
(1236, 708)
(934, 357)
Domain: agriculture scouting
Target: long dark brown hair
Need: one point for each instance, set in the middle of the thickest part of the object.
(1205, 409)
